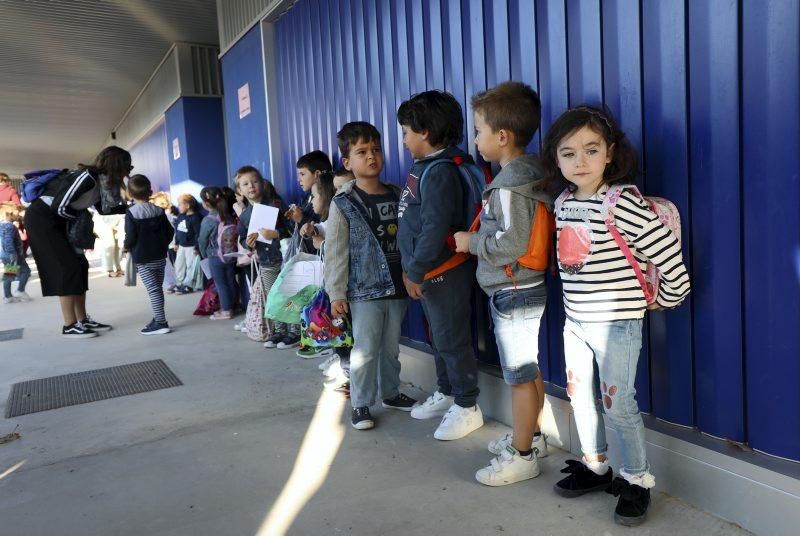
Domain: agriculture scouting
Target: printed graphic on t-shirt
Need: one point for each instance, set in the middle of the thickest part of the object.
(384, 220)
(409, 192)
(182, 227)
(574, 239)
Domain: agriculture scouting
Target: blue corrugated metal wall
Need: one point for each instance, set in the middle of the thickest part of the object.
(149, 157)
(707, 91)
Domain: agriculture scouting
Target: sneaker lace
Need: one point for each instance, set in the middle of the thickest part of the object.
(361, 412)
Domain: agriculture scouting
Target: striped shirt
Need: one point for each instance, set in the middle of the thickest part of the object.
(599, 284)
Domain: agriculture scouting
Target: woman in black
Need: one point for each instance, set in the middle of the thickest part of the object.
(63, 268)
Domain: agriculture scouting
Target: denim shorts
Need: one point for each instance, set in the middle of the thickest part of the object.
(516, 316)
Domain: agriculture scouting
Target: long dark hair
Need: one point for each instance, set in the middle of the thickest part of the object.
(218, 200)
(113, 162)
(623, 166)
(326, 191)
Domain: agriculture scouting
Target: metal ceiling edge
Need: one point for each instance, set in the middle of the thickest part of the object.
(270, 13)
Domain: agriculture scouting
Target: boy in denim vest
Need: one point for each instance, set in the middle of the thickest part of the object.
(430, 211)
(363, 275)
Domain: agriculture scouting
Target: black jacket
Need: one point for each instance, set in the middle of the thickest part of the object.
(426, 216)
(147, 238)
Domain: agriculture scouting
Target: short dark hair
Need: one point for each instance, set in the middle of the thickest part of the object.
(511, 106)
(352, 133)
(315, 161)
(140, 188)
(623, 166)
(436, 111)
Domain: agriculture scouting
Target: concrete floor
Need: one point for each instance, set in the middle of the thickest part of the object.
(251, 444)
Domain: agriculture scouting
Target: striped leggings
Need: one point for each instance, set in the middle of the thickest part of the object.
(152, 274)
(268, 276)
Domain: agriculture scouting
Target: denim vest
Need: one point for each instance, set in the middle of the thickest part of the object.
(369, 276)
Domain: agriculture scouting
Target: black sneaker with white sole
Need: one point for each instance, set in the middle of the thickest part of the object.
(400, 402)
(581, 480)
(362, 419)
(77, 331)
(94, 325)
(155, 328)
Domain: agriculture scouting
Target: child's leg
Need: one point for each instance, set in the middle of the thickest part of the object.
(540, 397)
(269, 274)
(617, 345)
(368, 323)
(180, 265)
(389, 364)
(344, 360)
(580, 389)
(152, 274)
(220, 274)
(447, 308)
(7, 279)
(24, 274)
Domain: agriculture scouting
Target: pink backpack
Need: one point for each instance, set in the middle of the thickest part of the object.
(666, 211)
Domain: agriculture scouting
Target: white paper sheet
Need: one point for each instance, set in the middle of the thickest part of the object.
(262, 217)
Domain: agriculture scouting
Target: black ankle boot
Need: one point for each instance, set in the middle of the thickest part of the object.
(581, 480)
(633, 501)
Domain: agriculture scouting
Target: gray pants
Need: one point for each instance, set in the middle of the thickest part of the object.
(447, 307)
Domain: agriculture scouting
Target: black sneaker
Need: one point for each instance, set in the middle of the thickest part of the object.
(77, 331)
(155, 328)
(273, 341)
(361, 419)
(581, 480)
(633, 501)
(289, 341)
(180, 290)
(94, 325)
(400, 402)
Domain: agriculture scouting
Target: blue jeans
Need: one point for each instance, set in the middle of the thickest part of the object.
(374, 359)
(22, 276)
(615, 347)
(224, 276)
(516, 315)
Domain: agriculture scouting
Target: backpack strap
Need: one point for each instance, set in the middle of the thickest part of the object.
(609, 202)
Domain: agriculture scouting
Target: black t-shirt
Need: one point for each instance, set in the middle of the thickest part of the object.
(382, 217)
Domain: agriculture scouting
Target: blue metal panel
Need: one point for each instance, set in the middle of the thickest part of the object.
(416, 46)
(498, 68)
(176, 133)
(454, 60)
(359, 50)
(392, 141)
(151, 157)
(350, 87)
(667, 175)
(585, 49)
(374, 72)
(622, 88)
(771, 186)
(523, 50)
(434, 50)
(716, 274)
(474, 60)
(247, 137)
(327, 96)
(205, 140)
(318, 78)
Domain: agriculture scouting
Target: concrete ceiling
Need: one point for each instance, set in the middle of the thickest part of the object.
(70, 69)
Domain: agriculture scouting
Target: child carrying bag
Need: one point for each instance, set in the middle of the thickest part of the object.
(319, 329)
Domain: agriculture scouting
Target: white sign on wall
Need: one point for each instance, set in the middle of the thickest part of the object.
(176, 149)
(244, 101)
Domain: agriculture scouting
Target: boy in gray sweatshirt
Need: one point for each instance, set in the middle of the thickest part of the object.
(506, 118)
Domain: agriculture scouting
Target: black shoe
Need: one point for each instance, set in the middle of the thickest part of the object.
(289, 341)
(94, 325)
(77, 331)
(400, 402)
(155, 328)
(633, 501)
(361, 419)
(180, 290)
(581, 480)
(273, 341)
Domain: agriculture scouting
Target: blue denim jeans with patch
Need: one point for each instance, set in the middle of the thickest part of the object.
(615, 347)
(375, 357)
(516, 316)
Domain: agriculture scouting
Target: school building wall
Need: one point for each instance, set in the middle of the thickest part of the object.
(149, 156)
(706, 90)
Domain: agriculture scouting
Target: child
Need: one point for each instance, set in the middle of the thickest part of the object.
(363, 274)
(187, 231)
(162, 200)
(147, 237)
(309, 167)
(586, 152)
(223, 273)
(11, 253)
(432, 124)
(254, 188)
(506, 118)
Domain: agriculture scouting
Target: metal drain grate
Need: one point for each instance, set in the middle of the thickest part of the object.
(10, 334)
(90, 386)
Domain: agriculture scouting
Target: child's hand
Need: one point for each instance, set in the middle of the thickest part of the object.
(654, 307)
(339, 307)
(251, 240)
(462, 241)
(294, 213)
(308, 230)
(318, 241)
(269, 234)
(414, 289)
(175, 247)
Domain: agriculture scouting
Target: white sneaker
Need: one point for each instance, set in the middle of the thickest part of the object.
(435, 405)
(12, 299)
(243, 329)
(21, 295)
(238, 327)
(459, 422)
(539, 445)
(507, 468)
(328, 362)
(334, 370)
